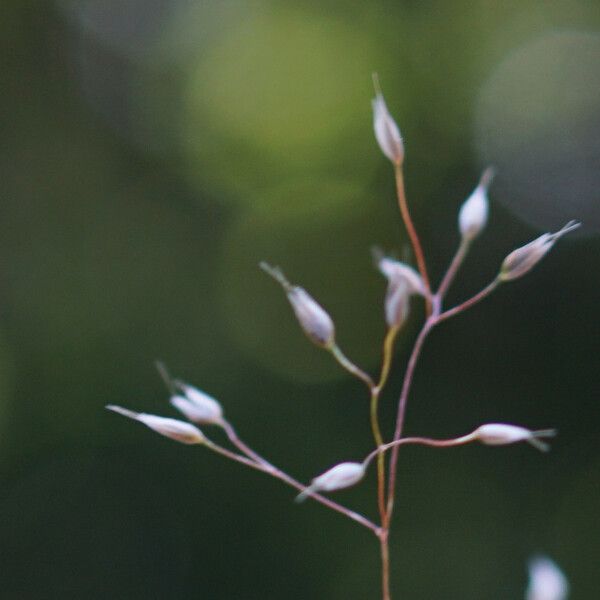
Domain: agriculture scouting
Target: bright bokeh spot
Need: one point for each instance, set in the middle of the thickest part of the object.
(537, 121)
(283, 95)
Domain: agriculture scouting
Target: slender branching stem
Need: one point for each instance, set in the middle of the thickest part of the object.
(484, 293)
(388, 351)
(378, 437)
(347, 364)
(406, 385)
(243, 460)
(261, 464)
(459, 257)
(242, 446)
(412, 233)
(421, 441)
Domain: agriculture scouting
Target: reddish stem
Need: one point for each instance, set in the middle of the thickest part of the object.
(257, 462)
(486, 291)
(463, 248)
(412, 233)
(408, 378)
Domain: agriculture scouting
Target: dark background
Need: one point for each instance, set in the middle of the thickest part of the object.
(152, 153)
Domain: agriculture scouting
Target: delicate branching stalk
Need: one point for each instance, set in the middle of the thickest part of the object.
(421, 441)
(353, 369)
(403, 283)
(484, 293)
(457, 261)
(259, 463)
(402, 402)
(412, 233)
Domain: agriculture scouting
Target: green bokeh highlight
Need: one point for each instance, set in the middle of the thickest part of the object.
(283, 92)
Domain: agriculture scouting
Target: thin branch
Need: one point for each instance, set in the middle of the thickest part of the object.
(421, 441)
(484, 293)
(347, 364)
(377, 436)
(240, 445)
(412, 233)
(261, 464)
(388, 350)
(408, 378)
(459, 257)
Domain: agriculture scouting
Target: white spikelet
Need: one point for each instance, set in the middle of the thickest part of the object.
(546, 580)
(500, 434)
(196, 405)
(180, 431)
(473, 214)
(387, 132)
(313, 318)
(339, 477)
(522, 260)
(403, 282)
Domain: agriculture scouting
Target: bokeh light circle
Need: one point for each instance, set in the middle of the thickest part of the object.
(538, 121)
(283, 94)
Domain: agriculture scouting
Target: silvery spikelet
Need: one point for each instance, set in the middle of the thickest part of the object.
(403, 282)
(546, 581)
(180, 431)
(339, 477)
(395, 270)
(473, 214)
(522, 260)
(387, 132)
(500, 434)
(196, 405)
(313, 318)
(397, 303)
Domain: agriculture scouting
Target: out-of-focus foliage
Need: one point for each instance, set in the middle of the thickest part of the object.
(153, 151)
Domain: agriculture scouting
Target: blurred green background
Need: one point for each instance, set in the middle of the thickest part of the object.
(153, 151)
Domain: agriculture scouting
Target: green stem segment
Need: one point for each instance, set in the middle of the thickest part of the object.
(347, 364)
(388, 350)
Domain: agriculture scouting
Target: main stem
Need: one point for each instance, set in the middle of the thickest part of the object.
(385, 564)
(408, 379)
(436, 316)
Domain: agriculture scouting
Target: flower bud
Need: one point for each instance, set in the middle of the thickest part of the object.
(546, 580)
(341, 476)
(313, 319)
(500, 434)
(397, 303)
(180, 431)
(387, 133)
(473, 214)
(395, 270)
(197, 406)
(522, 260)
(403, 282)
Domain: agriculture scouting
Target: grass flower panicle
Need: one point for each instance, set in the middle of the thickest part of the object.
(405, 284)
